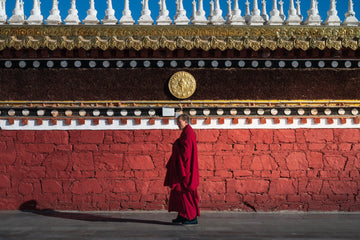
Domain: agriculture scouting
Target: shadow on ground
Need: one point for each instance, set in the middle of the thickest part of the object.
(31, 206)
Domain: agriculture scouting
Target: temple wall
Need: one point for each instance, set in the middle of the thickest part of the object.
(87, 115)
(240, 169)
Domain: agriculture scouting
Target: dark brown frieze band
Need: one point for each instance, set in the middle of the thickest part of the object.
(129, 84)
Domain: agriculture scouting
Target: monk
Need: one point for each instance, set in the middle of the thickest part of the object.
(183, 175)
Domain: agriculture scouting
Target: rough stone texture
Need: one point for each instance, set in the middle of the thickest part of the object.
(262, 170)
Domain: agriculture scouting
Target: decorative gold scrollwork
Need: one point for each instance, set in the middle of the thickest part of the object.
(172, 37)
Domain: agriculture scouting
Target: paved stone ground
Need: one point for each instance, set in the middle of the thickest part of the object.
(156, 225)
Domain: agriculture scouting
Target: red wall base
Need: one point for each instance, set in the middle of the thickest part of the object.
(262, 170)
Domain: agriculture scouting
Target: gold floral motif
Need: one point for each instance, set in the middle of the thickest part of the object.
(350, 44)
(188, 45)
(301, 44)
(172, 37)
(182, 85)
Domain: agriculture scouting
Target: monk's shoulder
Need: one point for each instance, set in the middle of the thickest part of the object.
(189, 133)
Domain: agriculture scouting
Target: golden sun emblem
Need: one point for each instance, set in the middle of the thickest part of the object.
(182, 85)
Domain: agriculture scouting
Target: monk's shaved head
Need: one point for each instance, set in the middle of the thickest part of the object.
(184, 117)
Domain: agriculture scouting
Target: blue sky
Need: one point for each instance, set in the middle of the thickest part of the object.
(135, 6)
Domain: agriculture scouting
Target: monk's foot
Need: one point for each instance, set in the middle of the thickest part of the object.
(179, 220)
(190, 222)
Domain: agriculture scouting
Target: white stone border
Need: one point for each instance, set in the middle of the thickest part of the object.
(201, 123)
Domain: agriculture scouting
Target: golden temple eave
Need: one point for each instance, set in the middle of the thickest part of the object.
(179, 37)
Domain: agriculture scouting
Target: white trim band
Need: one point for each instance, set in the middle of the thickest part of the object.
(215, 123)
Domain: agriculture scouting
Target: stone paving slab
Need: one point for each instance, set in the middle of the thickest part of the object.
(39, 225)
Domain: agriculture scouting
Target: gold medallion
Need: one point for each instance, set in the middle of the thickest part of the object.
(182, 85)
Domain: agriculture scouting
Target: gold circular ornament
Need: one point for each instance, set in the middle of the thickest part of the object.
(182, 85)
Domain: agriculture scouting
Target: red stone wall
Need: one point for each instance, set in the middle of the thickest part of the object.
(262, 170)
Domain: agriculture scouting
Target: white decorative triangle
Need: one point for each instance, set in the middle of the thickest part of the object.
(127, 18)
(35, 18)
(350, 19)
(256, 19)
(313, 18)
(109, 18)
(18, 17)
(180, 17)
(145, 18)
(163, 18)
(236, 18)
(332, 19)
(54, 17)
(72, 18)
(275, 18)
(198, 17)
(3, 16)
(216, 18)
(91, 18)
(294, 18)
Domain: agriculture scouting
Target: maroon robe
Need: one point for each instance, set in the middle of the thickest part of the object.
(183, 175)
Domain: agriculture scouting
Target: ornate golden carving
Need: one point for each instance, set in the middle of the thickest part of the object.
(172, 37)
(182, 85)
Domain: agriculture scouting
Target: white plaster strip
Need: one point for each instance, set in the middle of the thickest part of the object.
(158, 124)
